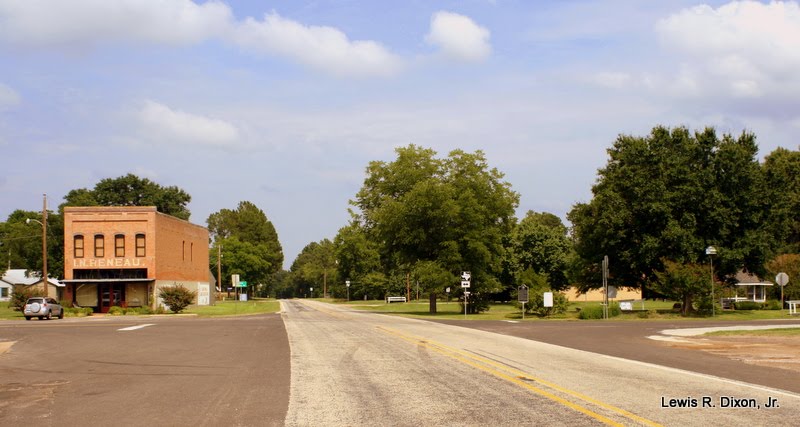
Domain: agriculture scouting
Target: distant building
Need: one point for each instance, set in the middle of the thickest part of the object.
(122, 256)
(574, 295)
(24, 278)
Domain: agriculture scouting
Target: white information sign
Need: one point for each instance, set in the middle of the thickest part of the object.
(203, 295)
(548, 299)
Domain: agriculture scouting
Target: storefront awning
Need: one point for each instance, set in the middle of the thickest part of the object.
(106, 280)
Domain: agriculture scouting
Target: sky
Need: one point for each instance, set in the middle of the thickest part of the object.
(284, 103)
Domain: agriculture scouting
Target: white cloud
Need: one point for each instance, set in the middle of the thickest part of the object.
(459, 37)
(161, 124)
(324, 48)
(747, 49)
(8, 97)
(612, 80)
(82, 22)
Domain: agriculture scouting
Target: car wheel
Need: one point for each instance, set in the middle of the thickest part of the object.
(61, 315)
(41, 317)
(49, 315)
(27, 317)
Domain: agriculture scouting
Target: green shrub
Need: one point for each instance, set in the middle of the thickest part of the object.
(649, 314)
(65, 303)
(78, 311)
(177, 297)
(747, 305)
(772, 305)
(116, 311)
(596, 311)
(536, 306)
(136, 311)
(705, 306)
(20, 295)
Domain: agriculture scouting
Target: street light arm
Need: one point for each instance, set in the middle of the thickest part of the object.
(28, 221)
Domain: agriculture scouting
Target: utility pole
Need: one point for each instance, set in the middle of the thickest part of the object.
(219, 266)
(44, 243)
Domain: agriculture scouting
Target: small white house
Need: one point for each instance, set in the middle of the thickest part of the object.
(748, 287)
(21, 277)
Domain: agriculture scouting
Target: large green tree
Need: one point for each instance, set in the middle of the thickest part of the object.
(782, 176)
(668, 196)
(315, 267)
(454, 211)
(21, 243)
(540, 243)
(358, 257)
(248, 243)
(130, 190)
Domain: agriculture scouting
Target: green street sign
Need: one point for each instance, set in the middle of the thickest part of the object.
(242, 284)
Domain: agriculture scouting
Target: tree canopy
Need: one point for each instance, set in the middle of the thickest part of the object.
(247, 241)
(454, 211)
(130, 190)
(782, 177)
(540, 243)
(21, 242)
(668, 196)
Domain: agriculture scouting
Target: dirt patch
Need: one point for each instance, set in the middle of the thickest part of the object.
(776, 352)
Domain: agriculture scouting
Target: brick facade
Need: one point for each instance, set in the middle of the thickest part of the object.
(123, 255)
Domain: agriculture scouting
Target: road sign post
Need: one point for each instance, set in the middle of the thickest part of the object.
(782, 279)
(522, 296)
(466, 278)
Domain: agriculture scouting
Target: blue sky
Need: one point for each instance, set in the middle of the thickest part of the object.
(284, 103)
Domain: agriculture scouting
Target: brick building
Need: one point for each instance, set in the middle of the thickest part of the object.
(123, 255)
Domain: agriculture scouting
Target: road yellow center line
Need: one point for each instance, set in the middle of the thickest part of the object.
(520, 378)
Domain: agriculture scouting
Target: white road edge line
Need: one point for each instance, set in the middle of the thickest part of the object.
(133, 328)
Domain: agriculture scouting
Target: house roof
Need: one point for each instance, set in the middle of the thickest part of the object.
(744, 278)
(24, 277)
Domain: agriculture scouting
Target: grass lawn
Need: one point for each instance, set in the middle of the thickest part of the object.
(507, 311)
(782, 332)
(8, 314)
(222, 308)
(233, 308)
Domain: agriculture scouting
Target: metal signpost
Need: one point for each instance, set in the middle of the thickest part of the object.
(235, 285)
(242, 296)
(711, 251)
(605, 287)
(466, 278)
(522, 296)
(347, 283)
(782, 279)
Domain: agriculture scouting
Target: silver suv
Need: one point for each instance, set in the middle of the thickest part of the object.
(43, 308)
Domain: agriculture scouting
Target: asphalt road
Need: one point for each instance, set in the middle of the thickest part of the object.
(168, 372)
(629, 340)
(324, 365)
(351, 368)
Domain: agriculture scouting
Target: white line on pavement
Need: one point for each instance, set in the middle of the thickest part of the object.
(133, 328)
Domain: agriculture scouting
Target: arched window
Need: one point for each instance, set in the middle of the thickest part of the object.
(77, 246)
(99, 246)
(140, 245)
(119, 245)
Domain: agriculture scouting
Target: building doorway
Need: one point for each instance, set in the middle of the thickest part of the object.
(111, 294)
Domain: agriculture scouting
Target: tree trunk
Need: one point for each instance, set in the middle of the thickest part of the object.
(432, 309)
(686, 307)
